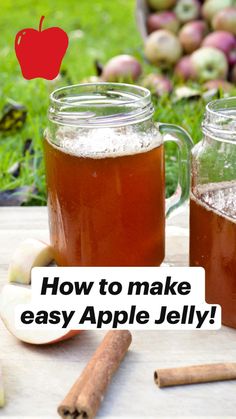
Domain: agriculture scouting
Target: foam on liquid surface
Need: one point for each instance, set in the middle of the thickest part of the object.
(105, 142)
(219, 197)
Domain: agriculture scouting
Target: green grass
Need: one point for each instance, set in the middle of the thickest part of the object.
(107, 28)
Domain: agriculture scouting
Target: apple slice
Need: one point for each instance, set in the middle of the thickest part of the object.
(11, 296)
(30, 253)
(2, 398)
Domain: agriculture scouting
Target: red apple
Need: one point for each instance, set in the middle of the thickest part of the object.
(163, 20)
(158, 84)
(225, 20)
(187, 10)
(161, 4)
(163, 48)
(218, 84)
(40, 52)
(121, 68)
(184, 68)
(224, 41)
(192, 34)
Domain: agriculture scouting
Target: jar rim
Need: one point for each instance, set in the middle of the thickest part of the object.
(100, 104)
(219, 106)
(220, 119)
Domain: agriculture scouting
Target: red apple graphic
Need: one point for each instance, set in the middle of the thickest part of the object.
(40, 52)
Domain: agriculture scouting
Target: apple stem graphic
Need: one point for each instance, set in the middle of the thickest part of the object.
(41, 23)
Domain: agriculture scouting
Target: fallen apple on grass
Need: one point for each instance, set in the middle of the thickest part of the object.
(211, 7)
(223, 41)
(218, 85)
(163, 20)
(192, 34)
(184, 68)
(125, 68)
(187, 10)
(157, 84)
(225, 20)
(13, 295)
(163, 48)
(209, 64)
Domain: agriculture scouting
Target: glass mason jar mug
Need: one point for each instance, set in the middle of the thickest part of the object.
(213, 206)
(105, 176)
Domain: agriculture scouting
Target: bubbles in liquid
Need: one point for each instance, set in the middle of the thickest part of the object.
(220, 197)
(105, 142)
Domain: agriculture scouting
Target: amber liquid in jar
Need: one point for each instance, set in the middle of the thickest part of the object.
(106, 210)
(213, 244)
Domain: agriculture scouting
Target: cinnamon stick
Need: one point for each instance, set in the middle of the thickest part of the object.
(2, 398)
(85, 396)
(195, 374)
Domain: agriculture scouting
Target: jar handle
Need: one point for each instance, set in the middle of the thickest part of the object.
(184, 142)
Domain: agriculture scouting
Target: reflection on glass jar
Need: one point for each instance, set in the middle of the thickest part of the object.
(213, 206)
